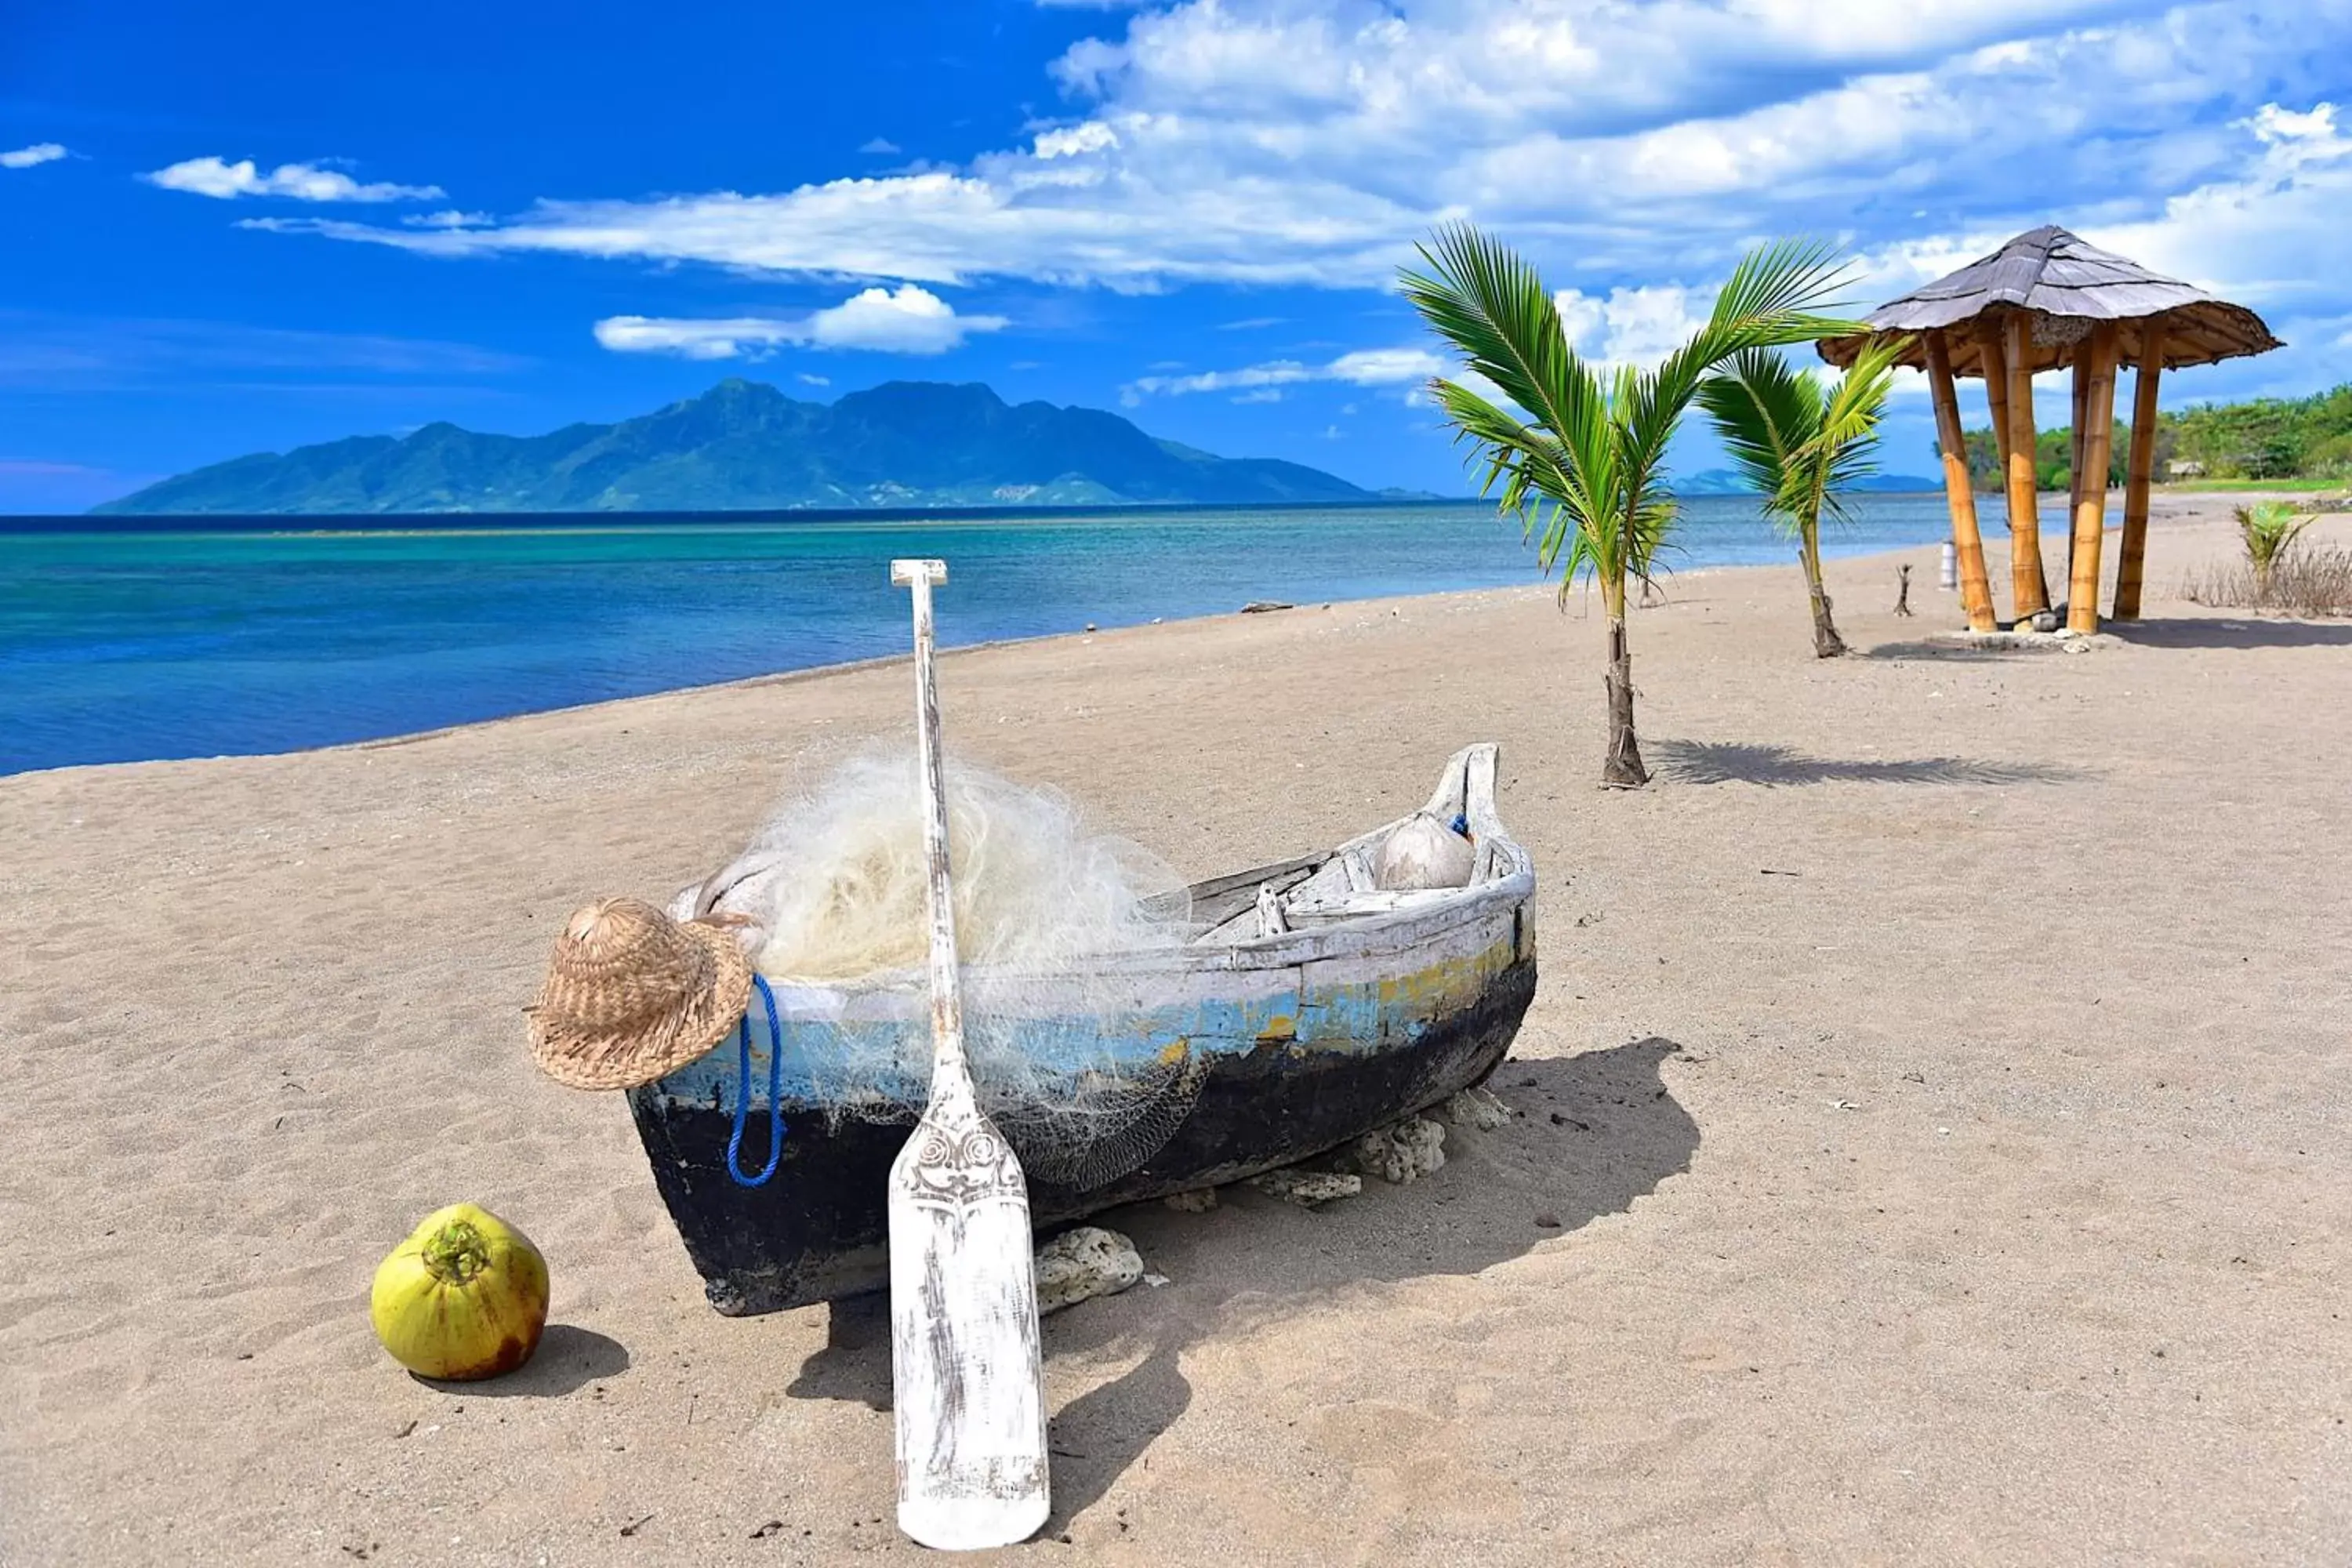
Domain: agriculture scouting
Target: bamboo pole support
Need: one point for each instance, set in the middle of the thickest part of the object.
(1995, 365)
(2027, 586)
(1959, 489)
(2080, 425)
(2090, 510)
(2138, 472)
(2078, 430)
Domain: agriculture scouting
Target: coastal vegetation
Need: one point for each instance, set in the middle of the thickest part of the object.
(1802, 444)
(1577, 452)
(2279, 570)
(2304, 582)
(2269, 530)
(2265, 440)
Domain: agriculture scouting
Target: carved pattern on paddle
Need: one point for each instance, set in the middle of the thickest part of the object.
(958, 1166)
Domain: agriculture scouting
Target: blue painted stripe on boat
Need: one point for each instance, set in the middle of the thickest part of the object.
(817, 1054)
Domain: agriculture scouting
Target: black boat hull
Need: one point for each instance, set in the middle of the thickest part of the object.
(816, 1230)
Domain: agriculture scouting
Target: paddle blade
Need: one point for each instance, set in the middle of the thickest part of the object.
(967, 1371)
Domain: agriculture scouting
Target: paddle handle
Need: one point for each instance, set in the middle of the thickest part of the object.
(949, 1073)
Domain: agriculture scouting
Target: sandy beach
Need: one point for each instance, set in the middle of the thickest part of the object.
(1940, 1075)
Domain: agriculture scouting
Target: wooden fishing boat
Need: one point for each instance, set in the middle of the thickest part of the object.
(1308, 1007)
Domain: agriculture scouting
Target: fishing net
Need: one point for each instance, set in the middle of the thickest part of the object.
(1066, 1053)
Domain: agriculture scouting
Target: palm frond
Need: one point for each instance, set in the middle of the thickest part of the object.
(1775, 298)
(1583, 462)
(1490, 305)
(1850, 411)
(1766, 413)
(1529, 465)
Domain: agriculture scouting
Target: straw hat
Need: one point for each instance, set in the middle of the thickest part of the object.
(632, 994)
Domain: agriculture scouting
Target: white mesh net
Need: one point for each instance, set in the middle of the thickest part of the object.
(1065, 1054)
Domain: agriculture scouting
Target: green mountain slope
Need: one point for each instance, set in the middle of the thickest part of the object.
(744, 445)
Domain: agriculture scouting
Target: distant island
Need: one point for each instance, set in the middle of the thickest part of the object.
(744, 446)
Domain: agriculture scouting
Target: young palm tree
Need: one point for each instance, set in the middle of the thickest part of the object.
(1581, 456)
(2269, 528)
(1802, 444)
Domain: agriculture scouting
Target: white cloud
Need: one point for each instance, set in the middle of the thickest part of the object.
(1310, 142)
(1385, 367)
(724, 338)
(449, 218)
(1262, 394)
(907, 321)
(2311, 133)
(1075, 141)
(1272, 141)
(1634, 326)
(302, 181)
(1364, 367)
(879, 146)
(806, 379)
(1281, 372)
(27, 157)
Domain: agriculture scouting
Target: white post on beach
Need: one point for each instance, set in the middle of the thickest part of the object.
(1948, 575)
(966, 1367)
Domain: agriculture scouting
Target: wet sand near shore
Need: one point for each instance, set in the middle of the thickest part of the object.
(1939, 1076)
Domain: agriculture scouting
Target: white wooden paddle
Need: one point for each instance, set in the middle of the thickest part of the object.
(969, 1380)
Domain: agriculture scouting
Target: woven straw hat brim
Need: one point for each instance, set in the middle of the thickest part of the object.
(641, 1046)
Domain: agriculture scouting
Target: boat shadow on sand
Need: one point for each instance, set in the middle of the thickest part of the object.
(1590, 1134)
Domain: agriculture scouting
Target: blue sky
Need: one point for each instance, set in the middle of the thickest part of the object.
(236, 231)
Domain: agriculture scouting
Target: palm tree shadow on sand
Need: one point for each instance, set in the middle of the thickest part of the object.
(1725, 762)
(1590, 1134)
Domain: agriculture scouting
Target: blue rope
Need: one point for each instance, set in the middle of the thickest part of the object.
(743, 1094)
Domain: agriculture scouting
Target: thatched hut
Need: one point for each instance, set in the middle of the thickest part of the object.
(2042, 300)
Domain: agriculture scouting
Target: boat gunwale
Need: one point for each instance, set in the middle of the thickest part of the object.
(1468, 779)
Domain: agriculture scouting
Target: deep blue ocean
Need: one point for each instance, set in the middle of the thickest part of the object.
(134, 638)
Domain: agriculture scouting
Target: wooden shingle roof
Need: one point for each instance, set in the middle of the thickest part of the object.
(2065, 284)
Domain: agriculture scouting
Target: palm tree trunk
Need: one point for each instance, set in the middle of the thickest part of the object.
(1827, 644)
(1622, 768)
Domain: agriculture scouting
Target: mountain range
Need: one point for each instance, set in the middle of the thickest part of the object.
(745, 446)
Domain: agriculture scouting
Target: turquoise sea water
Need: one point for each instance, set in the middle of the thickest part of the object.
(152, 638)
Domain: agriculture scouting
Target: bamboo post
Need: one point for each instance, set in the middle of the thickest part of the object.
(2027, 587)
(2077, 428)
(1996, 379)
(1994, 363)
(1960, 489)
(2080, 426)
(2090, 510)
(2137, 472)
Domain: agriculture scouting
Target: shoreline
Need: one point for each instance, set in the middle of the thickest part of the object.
(1548, 587)
(2188, 508)
(250, 655)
